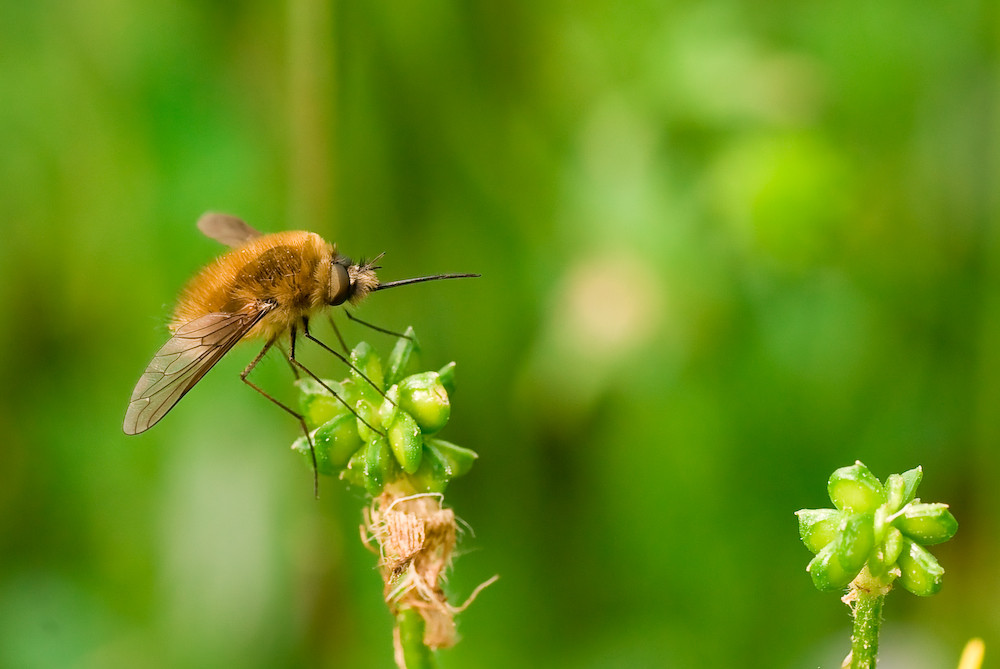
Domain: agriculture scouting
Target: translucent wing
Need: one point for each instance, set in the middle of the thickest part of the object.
(181, 362)
(226, 229)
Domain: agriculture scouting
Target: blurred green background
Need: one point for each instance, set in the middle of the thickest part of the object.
(726, 248)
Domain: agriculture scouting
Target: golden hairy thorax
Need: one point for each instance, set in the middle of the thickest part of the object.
(286, 273)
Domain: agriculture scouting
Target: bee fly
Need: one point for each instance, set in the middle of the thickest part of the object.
(265, 286)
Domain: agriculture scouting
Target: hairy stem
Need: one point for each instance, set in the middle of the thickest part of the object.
(865, 598)
(864, 640)
(411, 653)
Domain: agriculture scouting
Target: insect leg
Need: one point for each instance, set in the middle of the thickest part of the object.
(295, 370)
(298, 416)
(322, 383)
(305, 331)
(336, 331)
(375, 327)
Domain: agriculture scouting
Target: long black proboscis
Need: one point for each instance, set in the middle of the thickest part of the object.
(420, 279)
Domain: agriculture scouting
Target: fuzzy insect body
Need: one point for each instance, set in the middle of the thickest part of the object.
(287, 275)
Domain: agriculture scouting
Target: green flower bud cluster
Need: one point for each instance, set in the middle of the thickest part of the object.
(414, 407)
(881, 526)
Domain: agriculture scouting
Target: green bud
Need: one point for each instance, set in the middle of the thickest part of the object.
(921, 573)
(902, 488)
(895, 489)
(390, 406)
(854, 544)
(442, 461)
(403, 359)
(323, 466)
(406, 441)
(447, 374)
(826, 571)
(350, 392)
(337, 440)
(855, 489)
(454, 460)
(334, 443)
(379, 465)
(423, 396)
(354, 472)
(364, 358)
(886, 553)
(317, 404)
(927, 524)
(892, 546)
(911, 480)
(366, 410)
(818, 527)
(428, 477)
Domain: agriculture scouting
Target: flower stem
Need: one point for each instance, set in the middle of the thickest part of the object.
(411, 653)
(867, 621)
(311, 91)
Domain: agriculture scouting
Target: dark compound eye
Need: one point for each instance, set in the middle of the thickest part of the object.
(340, 284)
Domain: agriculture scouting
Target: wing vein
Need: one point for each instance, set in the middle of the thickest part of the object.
(180, 363)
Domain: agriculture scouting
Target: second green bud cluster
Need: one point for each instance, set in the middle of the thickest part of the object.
(881, 526)
(410, 408)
